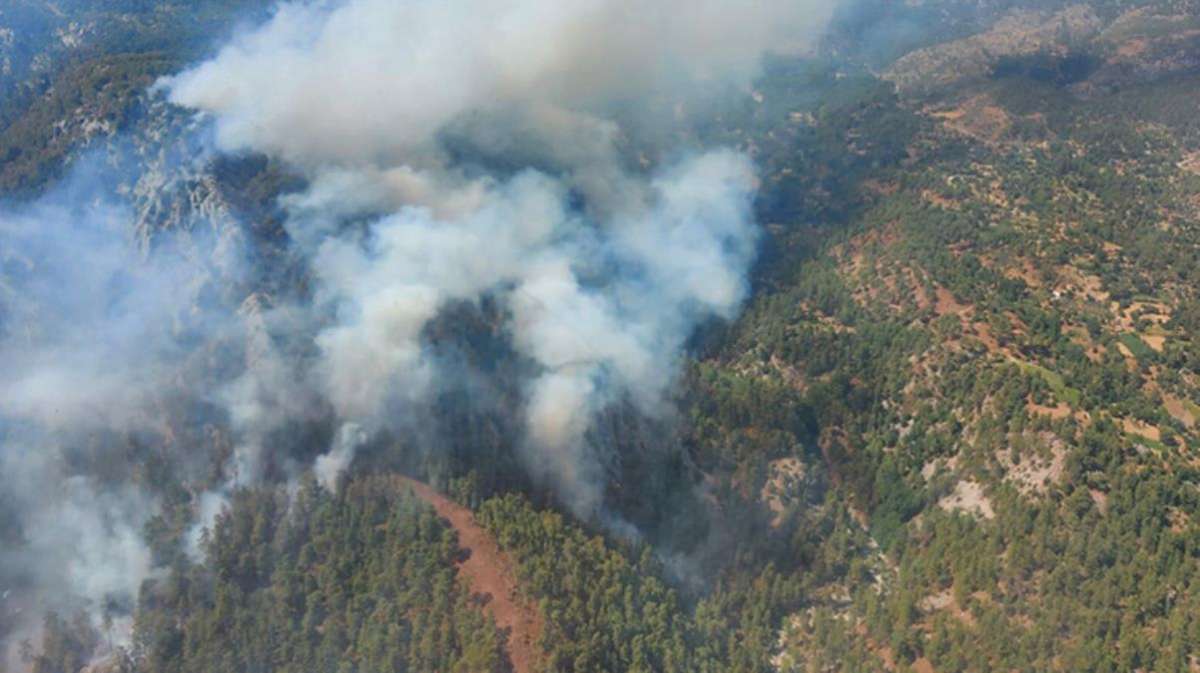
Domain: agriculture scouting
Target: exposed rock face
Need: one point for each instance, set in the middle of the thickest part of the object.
(168, 192)
(34, 36)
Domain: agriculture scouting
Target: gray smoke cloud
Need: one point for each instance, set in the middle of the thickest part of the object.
(373, 82)
(375, 100)
(331, 465)
(98, 345)
(452, 151)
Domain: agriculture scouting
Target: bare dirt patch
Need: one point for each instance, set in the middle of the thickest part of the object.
(1063, 410)
(1080, 337)
(790, 375)
(1178, 519)
(1026, 272)
(1072, 280)
(854, 250)
(932, 197)
(1155, 341)
(968, 497)
(785, 474)
(947, 304)
(1133, 426)
(1179, 411)
(1131, 362)
(918, 289)
(1035, 474)
(945, 601)
(1152, 312)
(491, 574)
(977, 117)
(1191, 162)
(983, 332)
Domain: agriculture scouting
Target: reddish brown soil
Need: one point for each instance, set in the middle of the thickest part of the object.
(947, 304)
(491, 575)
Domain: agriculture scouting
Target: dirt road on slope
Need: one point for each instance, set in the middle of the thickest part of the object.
(489, 572)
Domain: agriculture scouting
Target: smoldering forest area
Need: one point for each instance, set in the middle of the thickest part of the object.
(592, 335)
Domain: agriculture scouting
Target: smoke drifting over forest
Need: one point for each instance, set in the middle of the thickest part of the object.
(451, 152)
(99, 344)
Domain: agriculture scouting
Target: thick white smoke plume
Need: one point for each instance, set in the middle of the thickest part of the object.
(453, 151)
(401, 113)
(357, 83)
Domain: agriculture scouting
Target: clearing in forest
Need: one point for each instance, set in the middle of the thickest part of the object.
(489, 572)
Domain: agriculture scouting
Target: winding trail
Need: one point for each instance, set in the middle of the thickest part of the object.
(490, 573)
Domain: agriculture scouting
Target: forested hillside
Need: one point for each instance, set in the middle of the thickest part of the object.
(956, 426)
(361, 581)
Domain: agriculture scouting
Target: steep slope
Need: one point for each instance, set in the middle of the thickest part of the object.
(998, 369)
(311, 581)
(491, 576)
